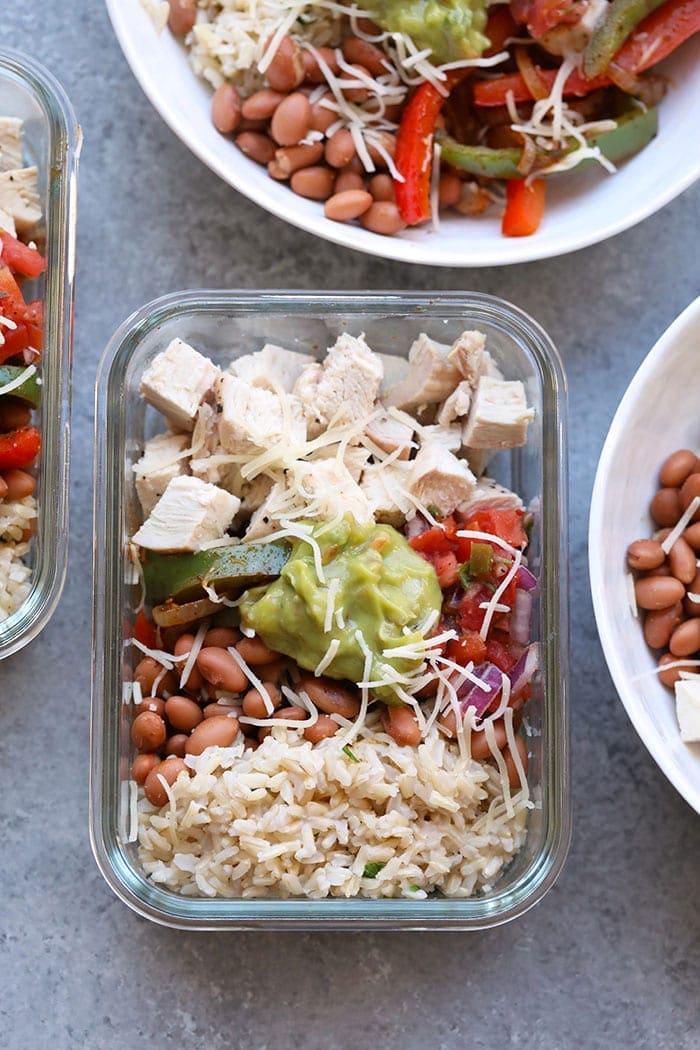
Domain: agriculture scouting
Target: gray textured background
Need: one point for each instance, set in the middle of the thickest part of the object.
(610, 958)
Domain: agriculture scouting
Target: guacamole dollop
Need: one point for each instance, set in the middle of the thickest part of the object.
(452, 29)
(385, 591)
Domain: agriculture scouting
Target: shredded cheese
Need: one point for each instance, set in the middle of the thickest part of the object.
(25, 374)
(253, 679)
(679, 528)
(328, 657)
(193, 653)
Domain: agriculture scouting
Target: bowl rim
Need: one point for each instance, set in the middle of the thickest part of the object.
(639, 718)
(336, 913)
(520, 250)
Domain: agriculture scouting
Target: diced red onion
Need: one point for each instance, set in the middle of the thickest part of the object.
(471, 695)
(524, 669)
(416, 526)
(521, 617)
(524, 579)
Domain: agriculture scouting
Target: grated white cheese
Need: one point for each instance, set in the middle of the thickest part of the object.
(253, 679)
(491, 609)
(192, 655)
(25, 374)
(679, 528)
(331, 596)
(328, 657)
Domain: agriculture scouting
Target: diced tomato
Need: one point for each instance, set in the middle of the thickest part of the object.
(16, 341)
(470, 647)
(506, 524)
(500, 655)
(12, 303)
(144, 631)
(542, 15)
(19, 448)
(20, 257)
(446, 567)
(524, 209)
(470, 615)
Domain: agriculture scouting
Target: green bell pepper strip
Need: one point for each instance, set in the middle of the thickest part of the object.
(29, 391)
(181, 577)
(621, 19)
(635, 129)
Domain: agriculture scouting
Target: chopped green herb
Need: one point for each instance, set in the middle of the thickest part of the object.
(347, 750)
(372, 870)
(414, 888)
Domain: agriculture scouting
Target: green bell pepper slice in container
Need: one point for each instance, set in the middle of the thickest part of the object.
(28, 391)
(621, 19)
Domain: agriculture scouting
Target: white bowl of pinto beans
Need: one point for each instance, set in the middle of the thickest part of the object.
(645, 489)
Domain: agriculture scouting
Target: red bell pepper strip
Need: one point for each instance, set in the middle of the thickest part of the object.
(414, 149)
(20, 257)
(19, 448)
(495, 92)
(16, 341)
(524, 207)
(542, 15)
(659, 34)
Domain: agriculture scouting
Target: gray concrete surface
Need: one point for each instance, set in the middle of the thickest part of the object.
(610, 958)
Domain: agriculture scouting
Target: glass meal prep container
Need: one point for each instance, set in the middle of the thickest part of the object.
(223, 325)
(52, 143)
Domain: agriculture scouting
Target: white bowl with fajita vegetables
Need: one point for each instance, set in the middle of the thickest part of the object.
(644, 551)
(333, 660)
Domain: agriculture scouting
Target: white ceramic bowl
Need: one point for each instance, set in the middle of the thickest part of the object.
(657, 415)
(581, 209)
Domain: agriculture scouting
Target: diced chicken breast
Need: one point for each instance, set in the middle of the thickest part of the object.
(457, 404)
(469, 356)
(189, 514)
(272, 367)
(499, 415)
(10, 143)
(395, 371)
(478, 459)
(390, 434)
(266, 518)
(162, 460)
(355, 458)
(253, 418)
(19, 197)
(438, 479)
(347, 386)
(7, 223)
(329, 487)
(431, 376)
(176, 382)
(449, 437)
(254, 493)
(384, 487)
(488, 493)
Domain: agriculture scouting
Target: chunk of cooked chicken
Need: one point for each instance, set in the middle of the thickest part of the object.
(265, 519)
(10, 143)
(395, 371)
(390, 434)
(457, 404)
(438, 479)
(176, 382)
(346, 388)
(19, 197)
(499, 415)
(449, 437)
(272, 367)
(189, 514)
(469, 356)
(162, 460)
(431, 376)
(330, 490)
(253, 418)
(7, 223)
(488, 493)
(384, 486)
(355, 458)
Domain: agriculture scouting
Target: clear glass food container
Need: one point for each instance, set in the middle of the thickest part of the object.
(226, 324)
(52, 143)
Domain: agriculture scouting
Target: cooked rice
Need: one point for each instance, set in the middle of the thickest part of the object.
(16, 516)
(15, 576)
(296, 819)
(229, 37)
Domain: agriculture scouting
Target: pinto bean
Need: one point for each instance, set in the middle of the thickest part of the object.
(286, 70)
(226, 109)
(291, 714)
(19, 484)
(215, 710)
(176, 744)
(170, 770)
(355, 74)
(292, 119)
(182, 16)
(479, 743)
(681, 561)
(151, 703)
(182, 647)
(254, 702)
(350, 204)
(255, 652)
(513, 775)
(212, 732)
(383, 217)
(222, 637)
(689, 490)
(143, 764)
(258, 147)
(644, 555)
(312, 70)
(449, 189)
(330, 696)
(673, 675)
(293, 158)
(381, 187)
(402, 726)
(13, 414)
(685, 640)
(660, 624)
(677, 467)
(182, 713)
(340, 148)
(314, 183)
(321, 116)
(665, 507)
(221, 670)
(262, 104)
(322, 728)
(658, 592)
(148, 731)
(348, 180)
(369, 56)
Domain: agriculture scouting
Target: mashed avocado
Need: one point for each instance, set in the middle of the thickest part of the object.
(383, 587)
(452, 29)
